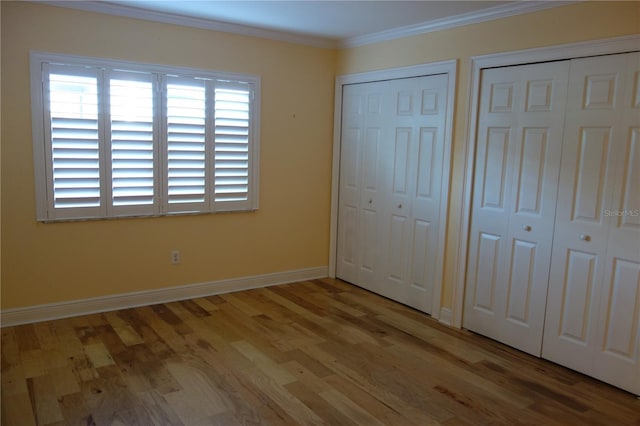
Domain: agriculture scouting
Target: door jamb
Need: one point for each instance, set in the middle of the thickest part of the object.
(445, 67)
(520, 57)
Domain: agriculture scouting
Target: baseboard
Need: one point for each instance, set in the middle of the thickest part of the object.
(446, 316)
(38, 313)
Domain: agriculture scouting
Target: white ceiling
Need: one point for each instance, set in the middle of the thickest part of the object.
(326, 23)
(330, 19)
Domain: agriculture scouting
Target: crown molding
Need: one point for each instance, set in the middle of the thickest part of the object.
(496, 12)
(188, 21)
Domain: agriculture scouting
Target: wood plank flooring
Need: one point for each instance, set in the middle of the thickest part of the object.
(309, 353)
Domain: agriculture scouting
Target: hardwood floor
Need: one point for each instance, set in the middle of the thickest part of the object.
(315, 352)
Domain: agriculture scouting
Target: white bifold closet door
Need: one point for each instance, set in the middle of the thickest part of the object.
(554, 258)
(392, 148)
(519, 141)
(593, 306)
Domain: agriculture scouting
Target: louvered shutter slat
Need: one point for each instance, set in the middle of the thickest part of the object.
(132, 146)
(75, 156)
(232, 113)
(186, 157)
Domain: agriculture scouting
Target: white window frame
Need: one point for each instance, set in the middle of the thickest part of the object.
(45, 210)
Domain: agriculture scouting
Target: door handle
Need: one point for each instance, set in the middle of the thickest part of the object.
(526, 228)
(585, 237)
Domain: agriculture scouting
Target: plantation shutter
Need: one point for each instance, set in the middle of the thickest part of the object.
(186, 133)
(123, 139)
(232, 157)
(72, 140)
(133, 152)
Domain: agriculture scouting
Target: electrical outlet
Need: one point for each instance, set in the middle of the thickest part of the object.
(175, 257)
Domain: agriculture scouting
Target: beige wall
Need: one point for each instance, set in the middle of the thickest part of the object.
(579, 22)
(45, 263)
(0, 159)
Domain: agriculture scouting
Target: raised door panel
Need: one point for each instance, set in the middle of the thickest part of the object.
(369, 241)
(620, 338)
(494, 173)
(349, 181)
(616, 348)
(531, 170)
(629, 213)
(427, 177)
(397, 252)
(422, 256)
(370, 166)
(592, 162)
(347, 244)
(400, 155)
(520, 286)
(486, 271)
(577, 296)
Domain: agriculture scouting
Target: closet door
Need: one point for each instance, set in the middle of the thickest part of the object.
(413, 165)
(519, 140)
(360, 181)
(391, 166)
(593, 308)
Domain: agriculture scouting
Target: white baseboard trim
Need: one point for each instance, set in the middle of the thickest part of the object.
(446, 316)
(38, 313)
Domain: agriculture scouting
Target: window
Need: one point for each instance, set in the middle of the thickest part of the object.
(116, 139)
